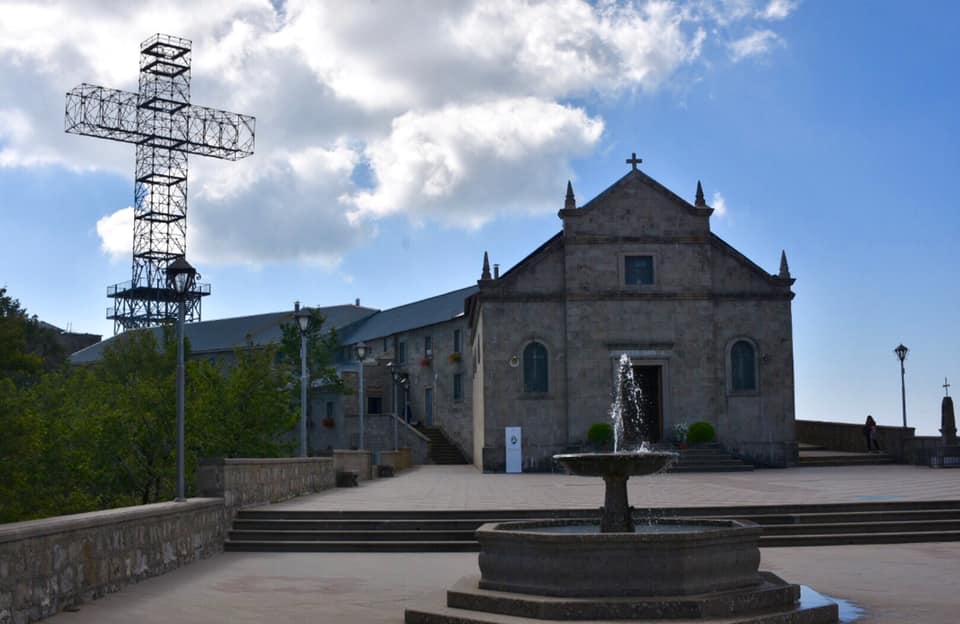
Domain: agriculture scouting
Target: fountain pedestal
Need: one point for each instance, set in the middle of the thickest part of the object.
(615, 517)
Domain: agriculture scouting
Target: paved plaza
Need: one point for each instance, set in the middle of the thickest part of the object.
(893, 583)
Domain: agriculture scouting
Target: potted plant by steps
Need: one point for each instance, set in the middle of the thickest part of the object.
(680, 431)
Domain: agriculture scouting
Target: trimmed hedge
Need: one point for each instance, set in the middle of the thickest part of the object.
(600, 434)
(700, 432)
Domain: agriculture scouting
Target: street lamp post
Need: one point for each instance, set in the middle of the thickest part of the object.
(901, 352)
(180, 277)
(361, 350)
(399, 379)
(303, 323)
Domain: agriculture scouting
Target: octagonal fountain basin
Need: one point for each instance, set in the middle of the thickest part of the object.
(622, 463)
(668, 557)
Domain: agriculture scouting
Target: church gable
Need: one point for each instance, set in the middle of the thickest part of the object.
(540, 273)
(637, 206)
(735, 274)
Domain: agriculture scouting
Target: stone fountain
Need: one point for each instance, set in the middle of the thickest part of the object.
(617, 569)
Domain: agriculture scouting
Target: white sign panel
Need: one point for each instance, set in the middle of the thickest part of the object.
(514, 452)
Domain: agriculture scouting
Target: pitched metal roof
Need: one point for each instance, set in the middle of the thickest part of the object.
(228, 334)
(410, 316)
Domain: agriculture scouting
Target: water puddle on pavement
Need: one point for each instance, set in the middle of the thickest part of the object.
(848, 611)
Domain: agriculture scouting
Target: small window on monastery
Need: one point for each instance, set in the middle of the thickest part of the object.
(428, 345)
(374, 405)
(457, 341)
(401, 352)
(638, 270)
(535, 368)
(458, 387)
(743, 367)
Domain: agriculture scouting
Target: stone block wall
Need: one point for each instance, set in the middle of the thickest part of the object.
(359, 462)
(837, 436)
(49, 564)
(378, 436)
(242, 482)
(53, 563)
(400, 459)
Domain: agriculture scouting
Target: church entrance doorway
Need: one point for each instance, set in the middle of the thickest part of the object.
(650, 381)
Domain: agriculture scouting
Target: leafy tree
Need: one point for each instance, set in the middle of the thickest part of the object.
(244, 412)
(16, 361)
(321, 347)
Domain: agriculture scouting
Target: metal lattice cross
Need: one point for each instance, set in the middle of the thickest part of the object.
(160, 120)
(634, 161)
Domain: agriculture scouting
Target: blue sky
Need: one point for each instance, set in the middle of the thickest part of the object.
(396, 143)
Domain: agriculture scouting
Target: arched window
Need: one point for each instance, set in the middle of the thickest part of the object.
(743, 367)
(535, 368)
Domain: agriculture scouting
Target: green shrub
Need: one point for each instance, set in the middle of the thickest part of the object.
(600, 434)
(700, 432)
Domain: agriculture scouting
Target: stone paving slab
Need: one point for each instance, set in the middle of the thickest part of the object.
(463, 487)
(898, 583)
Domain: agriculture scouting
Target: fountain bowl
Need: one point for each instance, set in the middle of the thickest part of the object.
(668, 557)
(622, 463)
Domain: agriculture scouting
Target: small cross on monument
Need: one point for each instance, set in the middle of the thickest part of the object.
(634, 161)
(946, 386)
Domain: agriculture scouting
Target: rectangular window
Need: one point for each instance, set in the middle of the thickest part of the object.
(457, 341)
(384, 345)
(428, 345)
(374, 405)
(638, 270)
(458, 387)
(329, 409)
(401, 352)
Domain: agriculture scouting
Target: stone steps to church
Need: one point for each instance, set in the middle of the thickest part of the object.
(708, 458)
(453, 530)
(845, 460)
(441, 450)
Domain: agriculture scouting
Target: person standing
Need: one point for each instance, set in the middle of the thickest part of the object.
(870, 434)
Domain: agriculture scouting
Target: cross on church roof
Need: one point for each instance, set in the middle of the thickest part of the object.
(634, 161)
(946, 386)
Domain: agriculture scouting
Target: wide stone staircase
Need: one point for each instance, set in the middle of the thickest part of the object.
(442, 450)
(453, 531)
(814, 455)
(708, 458)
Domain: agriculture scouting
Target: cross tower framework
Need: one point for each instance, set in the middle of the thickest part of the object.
(165, 127)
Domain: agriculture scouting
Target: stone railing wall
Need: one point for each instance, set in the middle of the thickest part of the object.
(378, 436)
(398, 460)
(360, 462)
(849, 437)
(242, 482)
(53, 563)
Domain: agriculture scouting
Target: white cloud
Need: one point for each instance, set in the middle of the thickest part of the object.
(116, 233)
(779, 9)
(454, 107)
(463, 164)
(719, 204)
(757, 43)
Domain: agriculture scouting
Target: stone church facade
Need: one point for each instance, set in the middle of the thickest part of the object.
(636, 270)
